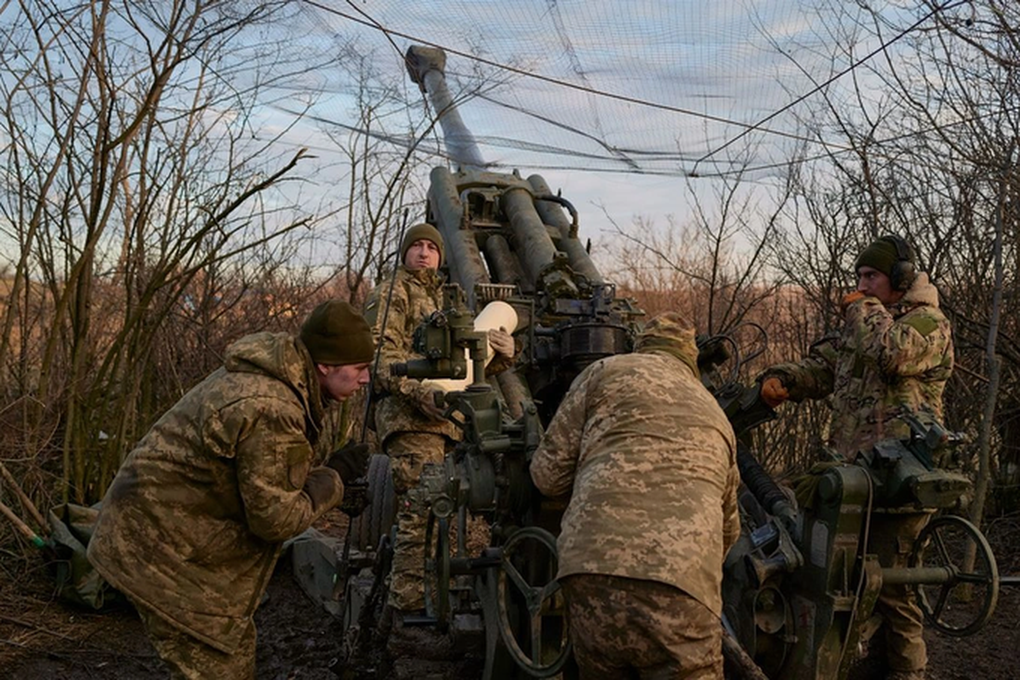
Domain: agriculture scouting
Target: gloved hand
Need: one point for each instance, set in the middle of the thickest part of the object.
(851, 298)
(355, 499)
(806, 486)
(502, 342)
(350, 460)
(773, 391)
(322, 489)
(427, 397)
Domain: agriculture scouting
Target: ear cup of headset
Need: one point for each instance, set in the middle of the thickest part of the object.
(904, 272)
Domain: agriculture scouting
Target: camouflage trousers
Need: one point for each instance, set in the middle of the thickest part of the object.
(630, 628)
(191, 659)
(892, 540)
(408, 453)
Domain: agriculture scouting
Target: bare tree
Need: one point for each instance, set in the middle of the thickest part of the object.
(136, 192)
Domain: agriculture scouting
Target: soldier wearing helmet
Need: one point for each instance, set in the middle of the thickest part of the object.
(649, 459)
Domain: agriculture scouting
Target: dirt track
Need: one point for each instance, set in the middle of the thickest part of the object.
(41, 638)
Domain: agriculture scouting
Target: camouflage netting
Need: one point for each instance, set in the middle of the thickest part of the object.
(682, 88)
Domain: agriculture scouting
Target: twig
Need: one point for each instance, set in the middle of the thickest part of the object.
(44, 651)
(21, 526)
(26, 502)
(28, 624)
(85, 643)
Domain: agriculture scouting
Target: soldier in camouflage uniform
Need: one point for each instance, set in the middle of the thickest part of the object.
(192, 525)
(650, 459)
(892, 358)
(410, 427)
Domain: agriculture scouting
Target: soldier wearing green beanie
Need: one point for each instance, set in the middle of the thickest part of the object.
(892, 359)
(423, 232)
(193, 523)
(409, 424)
(335, 334)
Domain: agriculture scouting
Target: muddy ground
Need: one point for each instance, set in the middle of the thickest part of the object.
(44, 638)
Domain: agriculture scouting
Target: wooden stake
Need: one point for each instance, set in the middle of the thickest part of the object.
(26, 502)
(21, 526)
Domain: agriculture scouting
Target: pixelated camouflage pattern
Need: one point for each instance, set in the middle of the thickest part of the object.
(650, 459)
(886, 362)
(188, 658)
(625, 628)
(191, 526)
(416, 295)
(408, 453)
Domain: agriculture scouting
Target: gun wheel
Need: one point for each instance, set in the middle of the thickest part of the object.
(532, 612)
(437, 571)
(962, 604)
(377, 519)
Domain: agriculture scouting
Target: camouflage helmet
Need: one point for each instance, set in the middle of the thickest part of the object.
(670, 333)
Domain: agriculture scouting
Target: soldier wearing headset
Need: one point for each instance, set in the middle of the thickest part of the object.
(892, 358)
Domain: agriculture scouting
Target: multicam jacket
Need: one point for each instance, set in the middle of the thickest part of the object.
(192, 525)
(886, 363)
(650, 459)
(416, 295)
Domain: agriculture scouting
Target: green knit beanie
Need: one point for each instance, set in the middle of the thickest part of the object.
(422, 231)
(335, 335)
(880, 255)
(672, 334)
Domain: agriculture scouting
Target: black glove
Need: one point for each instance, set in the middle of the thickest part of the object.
(350, 460)
(355, 498)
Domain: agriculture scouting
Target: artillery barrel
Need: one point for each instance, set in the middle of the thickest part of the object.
(426, 66)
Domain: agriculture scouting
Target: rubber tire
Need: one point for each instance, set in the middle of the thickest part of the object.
(378, 517)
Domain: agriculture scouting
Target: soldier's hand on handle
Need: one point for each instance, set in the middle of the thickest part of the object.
(773, 391)
(502, 342)
(355, 498)
(350, 460)
(429, 400)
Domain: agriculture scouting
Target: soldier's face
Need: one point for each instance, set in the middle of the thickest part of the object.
(340, 382)
(874, 283)
(423, 254)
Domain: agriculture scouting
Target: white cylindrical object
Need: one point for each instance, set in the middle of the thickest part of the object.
(497, 314)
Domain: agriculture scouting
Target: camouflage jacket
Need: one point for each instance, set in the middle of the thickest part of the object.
(193, 522)
(416, 295)
(885, 363)
(650, 459)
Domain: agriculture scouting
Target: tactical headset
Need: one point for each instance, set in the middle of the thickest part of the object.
(904, 271)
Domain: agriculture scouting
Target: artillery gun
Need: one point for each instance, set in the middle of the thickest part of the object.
(801, 583)
(509, 240)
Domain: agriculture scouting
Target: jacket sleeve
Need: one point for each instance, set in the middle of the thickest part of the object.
(813, 376)
(393, 340)
(273, 458)
(731, 515)
(555, 461)
(910, 345)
